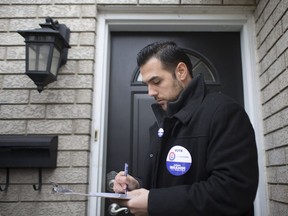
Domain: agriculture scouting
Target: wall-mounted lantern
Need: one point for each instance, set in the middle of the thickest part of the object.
(46, 51)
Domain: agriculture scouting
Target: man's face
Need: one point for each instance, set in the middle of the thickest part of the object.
(162, 85)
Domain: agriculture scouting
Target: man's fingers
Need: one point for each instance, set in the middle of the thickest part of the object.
(119, 188)
(120, 183)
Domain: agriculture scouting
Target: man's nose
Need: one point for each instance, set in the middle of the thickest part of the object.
(151, 91)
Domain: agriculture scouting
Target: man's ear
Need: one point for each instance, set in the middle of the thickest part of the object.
(181, 71)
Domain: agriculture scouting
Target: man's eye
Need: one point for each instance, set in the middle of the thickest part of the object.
(156, 82)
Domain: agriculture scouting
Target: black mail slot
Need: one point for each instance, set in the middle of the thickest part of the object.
(28, 151)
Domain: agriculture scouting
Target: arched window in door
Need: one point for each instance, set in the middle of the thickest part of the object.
(200, 64)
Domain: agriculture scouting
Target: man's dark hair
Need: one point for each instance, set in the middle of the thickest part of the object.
(168, 53)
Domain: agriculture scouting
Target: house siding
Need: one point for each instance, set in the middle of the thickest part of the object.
(272, 43)
(65, 107)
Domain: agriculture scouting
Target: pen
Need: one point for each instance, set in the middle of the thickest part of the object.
(126, 173)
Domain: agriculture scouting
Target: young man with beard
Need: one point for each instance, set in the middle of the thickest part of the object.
(204, 156)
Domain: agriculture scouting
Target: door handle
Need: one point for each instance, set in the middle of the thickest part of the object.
(110, 180)
(111, 184)
(114, 209)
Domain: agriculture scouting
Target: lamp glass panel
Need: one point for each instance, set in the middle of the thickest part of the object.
(38, 57)
(55, 61)
(40, 38)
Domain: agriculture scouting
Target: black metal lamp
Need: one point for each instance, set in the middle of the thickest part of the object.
(46, 51)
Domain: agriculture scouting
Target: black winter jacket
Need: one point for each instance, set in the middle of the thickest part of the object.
(223, 176)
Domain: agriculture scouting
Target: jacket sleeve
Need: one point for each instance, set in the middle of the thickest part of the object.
(232, 165)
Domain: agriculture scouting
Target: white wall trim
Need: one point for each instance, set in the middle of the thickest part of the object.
(98, 129)
(253, 108)
(107, 22)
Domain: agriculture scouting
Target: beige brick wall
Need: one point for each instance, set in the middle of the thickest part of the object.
(64, 108)
(177, 2)
(271, 20)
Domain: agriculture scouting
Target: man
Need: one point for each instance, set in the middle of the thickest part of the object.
(203, 157)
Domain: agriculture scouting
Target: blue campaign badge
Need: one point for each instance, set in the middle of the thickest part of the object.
(160, 132)
(178, 160)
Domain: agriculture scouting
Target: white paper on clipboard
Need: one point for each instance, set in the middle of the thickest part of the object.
(59, 189)
(110, 195)
(99, 194)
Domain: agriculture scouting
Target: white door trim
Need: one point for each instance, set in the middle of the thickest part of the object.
(107, 22)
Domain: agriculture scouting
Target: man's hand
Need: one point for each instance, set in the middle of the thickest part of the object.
(122, 182)
(138, 204)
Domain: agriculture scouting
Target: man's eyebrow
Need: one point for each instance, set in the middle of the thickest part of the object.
(151, 79)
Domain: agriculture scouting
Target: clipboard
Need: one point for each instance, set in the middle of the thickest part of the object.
(110, 195)
(99, 194)
(58, 189)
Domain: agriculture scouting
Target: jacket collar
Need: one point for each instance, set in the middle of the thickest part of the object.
(187, 102)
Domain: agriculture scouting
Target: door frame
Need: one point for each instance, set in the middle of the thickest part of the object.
(108, 21)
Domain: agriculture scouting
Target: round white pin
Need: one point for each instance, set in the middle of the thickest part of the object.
(178, 160)
(160, 132)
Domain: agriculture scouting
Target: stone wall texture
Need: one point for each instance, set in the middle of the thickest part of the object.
(271, 19)
(65, 107)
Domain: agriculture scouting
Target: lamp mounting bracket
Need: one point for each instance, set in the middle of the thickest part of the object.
(50, 23)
